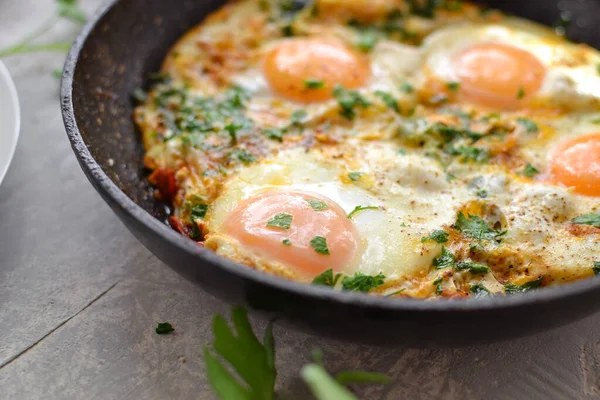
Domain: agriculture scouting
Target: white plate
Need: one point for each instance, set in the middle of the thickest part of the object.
(10, 119)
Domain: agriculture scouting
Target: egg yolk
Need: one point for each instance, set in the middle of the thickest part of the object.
(498, 75)
(306, 70)
(576, 163)
(301, 242)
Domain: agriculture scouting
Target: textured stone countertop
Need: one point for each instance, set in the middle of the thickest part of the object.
(80, 297)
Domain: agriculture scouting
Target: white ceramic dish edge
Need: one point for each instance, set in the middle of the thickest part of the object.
(10, 120)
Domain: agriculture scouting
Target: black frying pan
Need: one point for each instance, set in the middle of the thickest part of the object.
(116, 53)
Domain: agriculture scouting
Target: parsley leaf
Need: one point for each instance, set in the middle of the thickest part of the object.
(477, 154)
(242, 156)
(198, 211)
(253, 362)
(286, 242)
(314, 84)
(438, 236)
(348, 100)
(388, 99)
(360, 282)
(354, 176)
(592, 219)
(367, 39)
(319, 243)
(327, 278)
(274, 133)
(281, 220)
(472, 267)
(521, 93)
(596, 267)
(298, 117)
(528, 124)
(530, 171)
(475, 227)
(438, 285)
(361, 208)
(453, 86)
(478, 290)
(164, 327)
(445, 260)
(407, 88)
(512, 288)
(482, 193)
(317, 205)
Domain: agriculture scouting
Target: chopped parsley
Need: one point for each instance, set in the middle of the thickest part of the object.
(512, 288)
(274, 134)
(314, 84)
(472, 267)
(407, 88)
(140, 95)
(438, 285)
(445, 260)
(528, 124)
(349, 100)
(438, 236)
(596, 267)
(478, 154)
(317, 205)
(354, 176)
(242, 156)
(298, 117)
(592, 219)
(360, 282)
(476, 228)
(394, 293)
(286, 242)
(530, 171)
(521, 93)
(327, 278)
(198, 211)
(388, 99)
(482, 193)
(361, 208)
(164, 327)
(319, 243)
(281, 220)
(367, 39)
(478, 290)
(453, 86)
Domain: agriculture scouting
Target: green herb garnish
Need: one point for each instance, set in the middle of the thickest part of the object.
(164, 327)
(453, 86)
(281, 220)
(476, 228)
(407, 88)
(274, 134)
(354, 176)
(360, 282)
(512, 288)
(596, 267)
(438, 236)
(478, 290)
(298, 117)
(367, 39)
(286, 242)
(327, 278)
(388, 99)
(349, 100)
(361, 208)
(314, 84)
(530, 171)
(242, 156)
(528, 124)
(319, 243)
(472, 267)
(592, 219)
(317, 205)
(438, 285)
(445, 260)
(482, 193)
(521, 93)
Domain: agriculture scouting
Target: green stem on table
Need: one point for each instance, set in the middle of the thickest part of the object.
(20, 48)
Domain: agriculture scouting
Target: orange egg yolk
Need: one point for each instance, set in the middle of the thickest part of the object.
(294, 64)
(576, 163)
(291, 246)
(498, 75)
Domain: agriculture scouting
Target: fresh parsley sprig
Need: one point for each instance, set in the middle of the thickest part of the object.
(592, 219)
(476, 228)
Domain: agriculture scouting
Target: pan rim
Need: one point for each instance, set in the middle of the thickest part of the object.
(107, 188)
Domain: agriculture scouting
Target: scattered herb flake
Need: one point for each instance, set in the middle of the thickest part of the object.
(453, 86)
(286, 242)
(354, 176)
(521, 93)
(530, 171)
(395, 292)
(164, 328)
(349, 100)
(360, 282)
(596, 267)
(274, 134)
(407, 88)
(388, 99)
(317, 205)
(198, 211)
(242, 156)
(314, 84)
(361, 208)
(319, 243)
(472, 267)
(476, 228)
(280, 220)
(438, 285)
(327, 278)
(512, 288)
(478, 290)
(482, 193)
(445, 260)
(367, 39)
(438, 236)
(592, 219)
(298, 117)
(528, 124)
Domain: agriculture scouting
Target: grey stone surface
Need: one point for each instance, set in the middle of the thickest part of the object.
(79, 297)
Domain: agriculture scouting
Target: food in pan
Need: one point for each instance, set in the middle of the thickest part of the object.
(402, 148)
